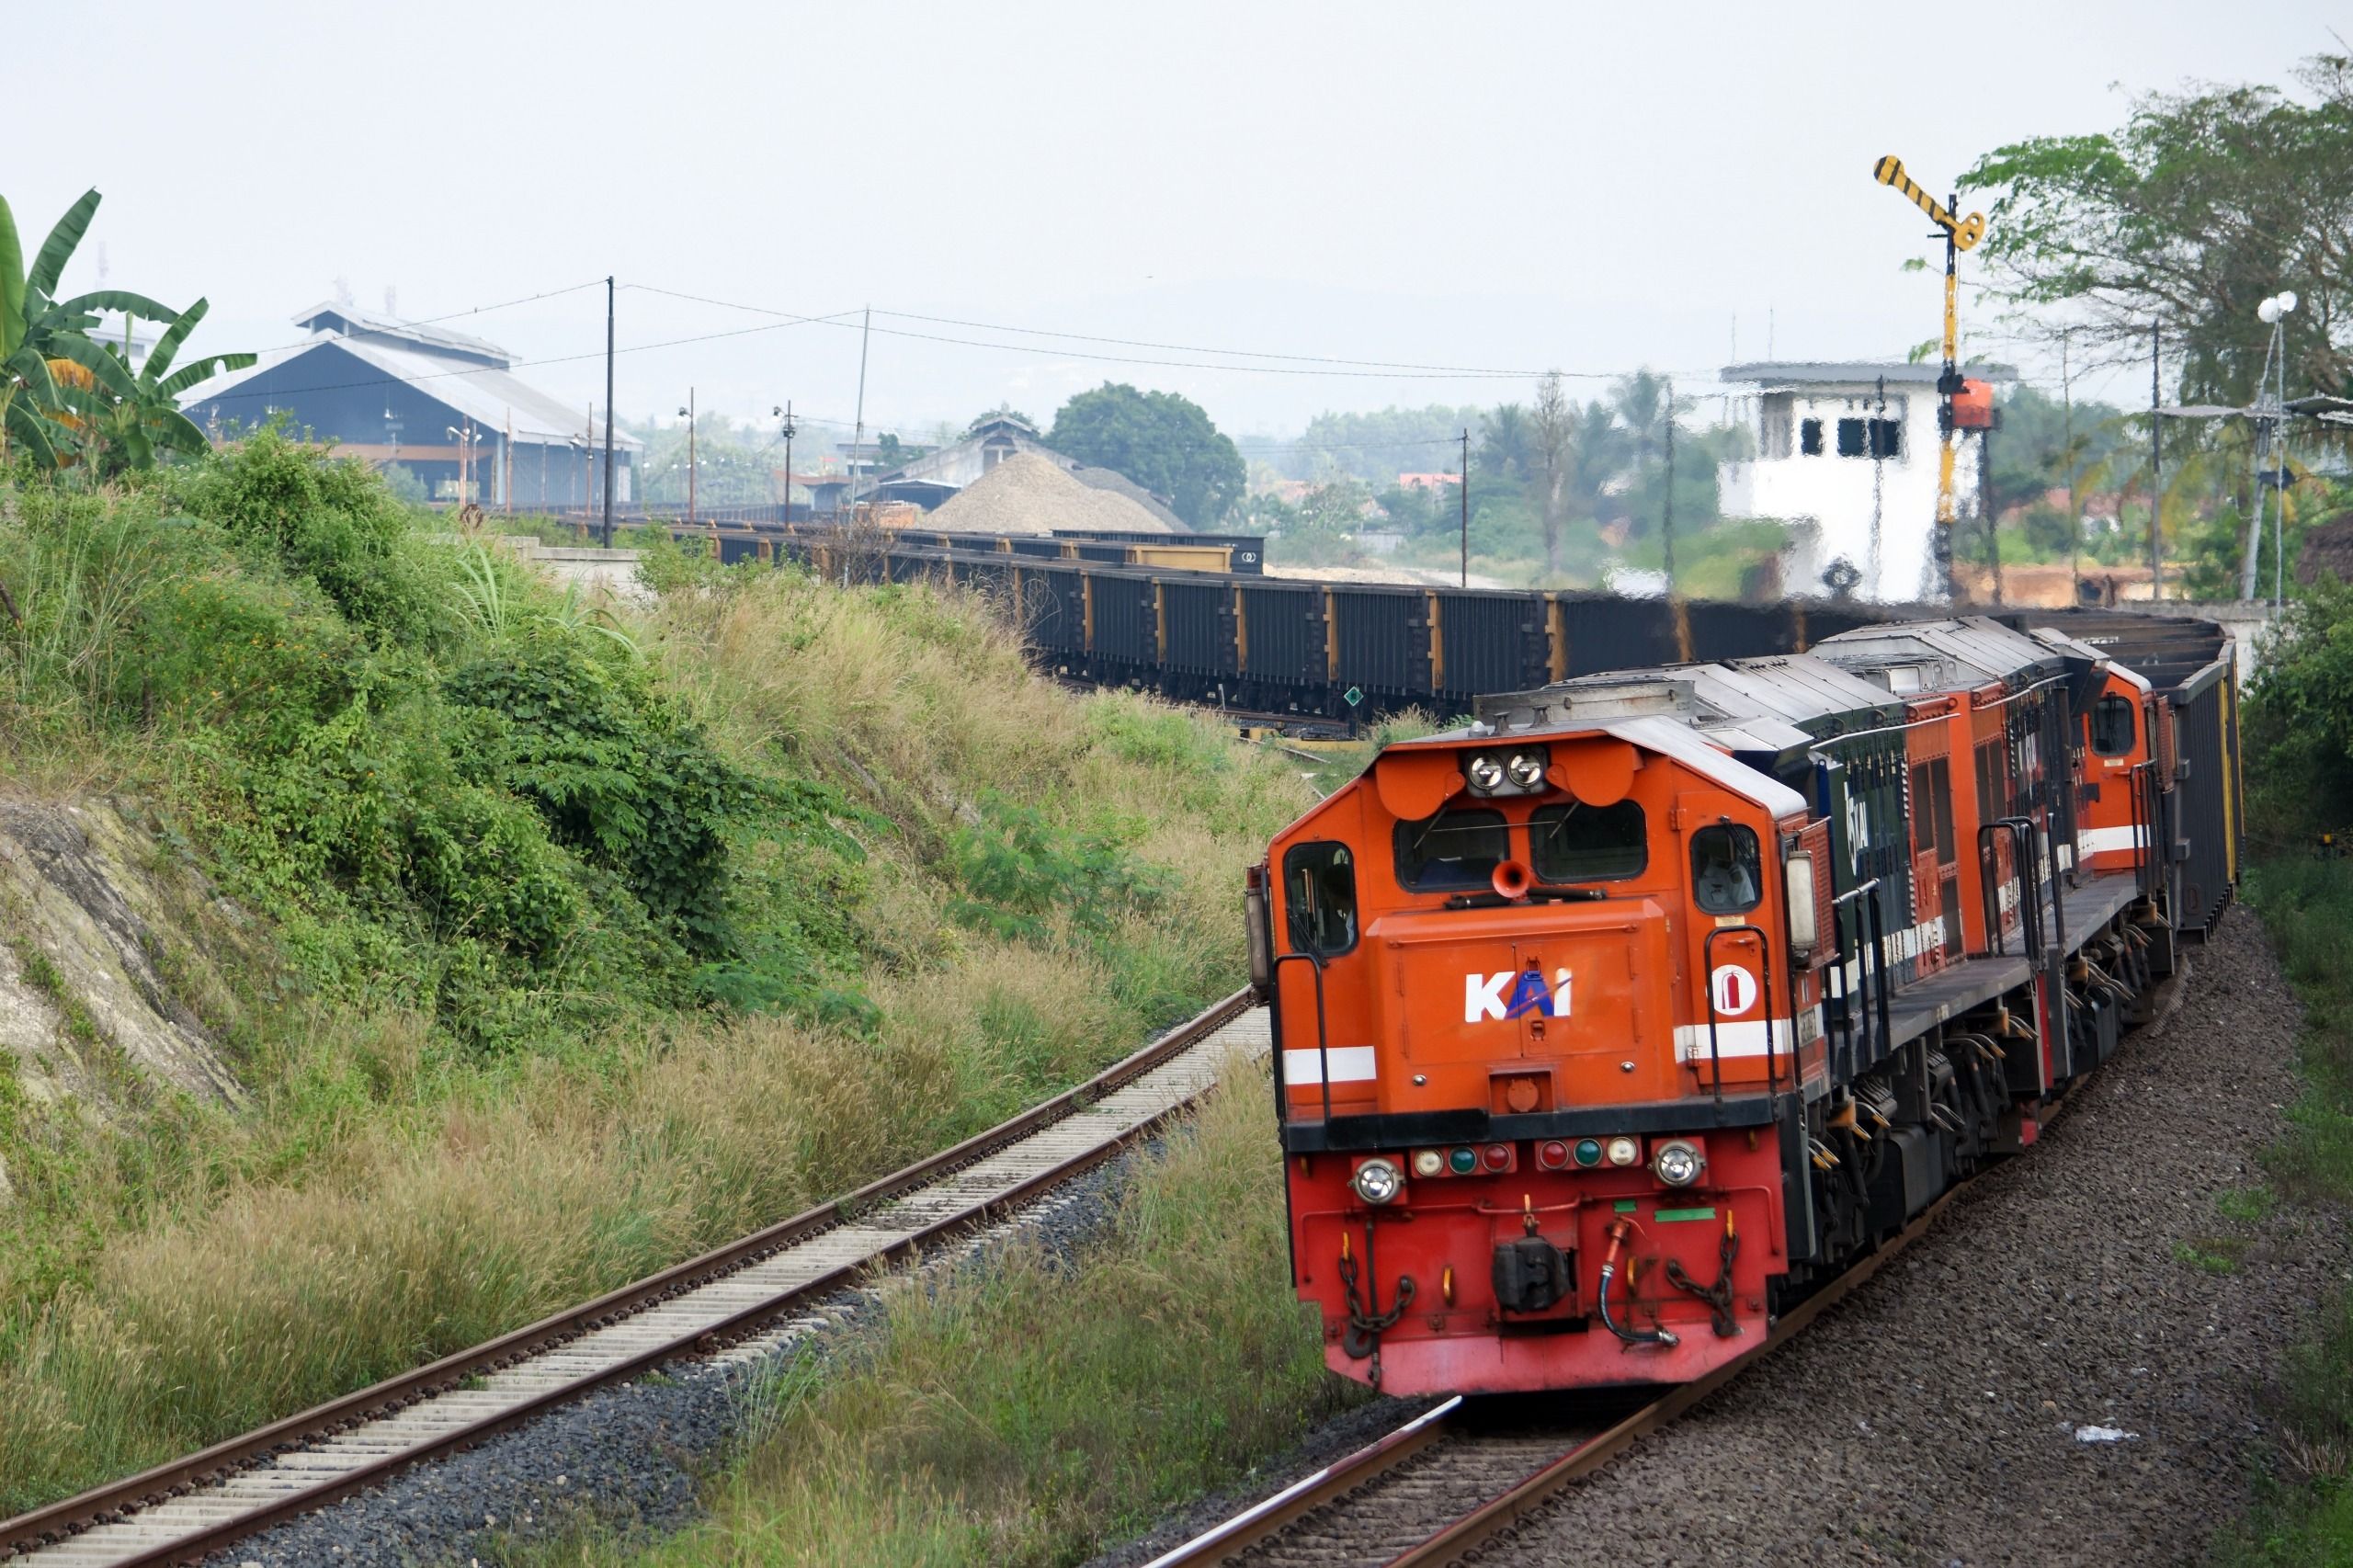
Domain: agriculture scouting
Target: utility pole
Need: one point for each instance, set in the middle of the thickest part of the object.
(1666, 520)
(2067, 445)
(692, 469)
(1465, 488)
(789, 433)
(1985, 503)
(858, 434)
(608, 413)
(2156, 468)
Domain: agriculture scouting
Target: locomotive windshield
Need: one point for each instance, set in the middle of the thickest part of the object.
(1577, 843)
(1453, 849)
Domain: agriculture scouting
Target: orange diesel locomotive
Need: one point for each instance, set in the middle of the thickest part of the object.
(1611, 1024)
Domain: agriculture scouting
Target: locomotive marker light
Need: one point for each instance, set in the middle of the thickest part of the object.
(1428, 1163)
(1377, 1182)
(1624, 1152)
(1678, 1163)
(1589, 1151)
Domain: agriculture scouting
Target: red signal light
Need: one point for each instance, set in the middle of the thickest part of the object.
(1552, 1156)
(1499, 1156)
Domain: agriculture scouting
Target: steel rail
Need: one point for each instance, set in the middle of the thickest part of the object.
(117, 1501)
(1268, 1520)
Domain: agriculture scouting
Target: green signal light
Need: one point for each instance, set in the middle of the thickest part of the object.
(1589, 1151)
(1463, 1161)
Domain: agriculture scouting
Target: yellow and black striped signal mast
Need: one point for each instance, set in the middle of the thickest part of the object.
(1959, 234)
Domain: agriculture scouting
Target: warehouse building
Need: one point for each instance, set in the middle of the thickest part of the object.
(446, 407)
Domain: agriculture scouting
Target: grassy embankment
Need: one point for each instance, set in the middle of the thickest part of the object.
(569, 944)
(1032, 1410)
(2299, 770)
(2304, 1515)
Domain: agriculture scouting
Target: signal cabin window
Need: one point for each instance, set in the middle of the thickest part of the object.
(1810, 437)
(1727, 872)
(1851, 439)
(2112, 725)
(1577, 843)
(1452, 849)
(1886, 437)
(1320, 898)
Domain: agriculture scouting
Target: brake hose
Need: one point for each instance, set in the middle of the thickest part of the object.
(1608, 1271)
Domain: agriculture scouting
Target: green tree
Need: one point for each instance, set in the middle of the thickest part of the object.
(1161, 440)
(1379, 446)
(2204, 203)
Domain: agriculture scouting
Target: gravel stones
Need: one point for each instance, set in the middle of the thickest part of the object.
(634, 1455)
(1936, 1415)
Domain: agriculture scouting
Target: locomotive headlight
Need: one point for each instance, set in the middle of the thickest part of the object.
(1377, 1182)
(1526, 769)
(1678, 1163)
(1485, 773)
(1624, 1152)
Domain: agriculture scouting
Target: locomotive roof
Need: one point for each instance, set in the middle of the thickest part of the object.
(1766, 704)
(2167, 651)
(1941, 655)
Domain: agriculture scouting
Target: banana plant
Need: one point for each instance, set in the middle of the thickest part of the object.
(136, 427)
(56, 383)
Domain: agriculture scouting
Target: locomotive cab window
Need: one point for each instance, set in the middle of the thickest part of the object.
(1320, 898)
(1452, 849)
(1726, 869)
(2112, 725)
(1577, 843)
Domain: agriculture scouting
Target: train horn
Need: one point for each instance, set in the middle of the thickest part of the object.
(1512, 878)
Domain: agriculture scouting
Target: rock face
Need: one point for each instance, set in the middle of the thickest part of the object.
(91, 925)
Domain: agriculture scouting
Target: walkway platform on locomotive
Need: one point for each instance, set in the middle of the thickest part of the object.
(1939, 997)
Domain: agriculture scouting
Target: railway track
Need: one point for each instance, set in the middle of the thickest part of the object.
(1444, 1484)
(737, 1298)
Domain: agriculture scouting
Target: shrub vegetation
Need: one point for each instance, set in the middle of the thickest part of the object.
(557, 942)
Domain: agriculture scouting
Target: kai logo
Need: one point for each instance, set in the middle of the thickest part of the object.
(1515, 994)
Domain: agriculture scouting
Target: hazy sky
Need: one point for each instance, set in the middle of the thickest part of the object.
(1502, 186)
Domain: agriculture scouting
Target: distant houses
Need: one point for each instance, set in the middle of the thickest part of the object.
(446, 407)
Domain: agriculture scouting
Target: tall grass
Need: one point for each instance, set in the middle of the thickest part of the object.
(1032, 1410)
(179, 1272)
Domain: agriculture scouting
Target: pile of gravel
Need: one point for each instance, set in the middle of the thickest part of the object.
(1026, 494)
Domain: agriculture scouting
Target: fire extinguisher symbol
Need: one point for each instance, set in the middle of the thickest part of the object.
(1735, 989)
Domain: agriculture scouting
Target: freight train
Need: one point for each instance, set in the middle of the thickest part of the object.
(1611, 1024)
(1155, 613)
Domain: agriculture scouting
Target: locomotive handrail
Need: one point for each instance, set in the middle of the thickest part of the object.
(2056, 948)
(1871, 977)
(1323, 1041)
(2029, 878)
(1765, 997)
